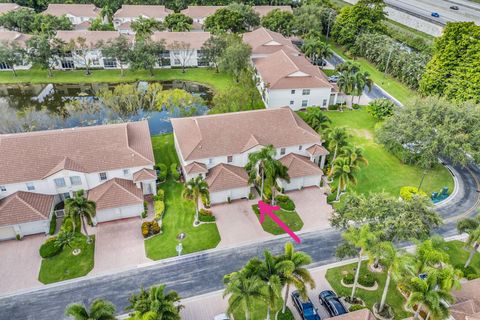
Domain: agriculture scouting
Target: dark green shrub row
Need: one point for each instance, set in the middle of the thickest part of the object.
(49, 249)
(174, 172)
(285, 202)
(206, 215)
(366, 280)
(53, 224)
(162, 174)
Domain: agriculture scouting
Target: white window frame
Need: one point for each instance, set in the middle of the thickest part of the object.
(304, 103)
(74, 183)
(292, 91)
(305, 92)
(229, 159)
(101, 174)
(282, 151)
(60, 182)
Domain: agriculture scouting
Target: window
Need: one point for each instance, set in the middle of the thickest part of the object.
(109, 63)
(30, 186)
(293, 91)
(126, 172)
(75, 181)
(103, 176)
(5, 66)
(3, 189)
(282, 151)
(324, 102)
(304, 103)
(300, 147)
(291, 102)
(306, 92)
(230, 159)
(66, 64)
(95, 62)
(59, 182)
(210, 161)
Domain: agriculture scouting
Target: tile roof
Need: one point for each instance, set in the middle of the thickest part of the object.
(32, 156)
(198, 137)
(115, 193)
(83, 26)
(7, 7)
(469, 290)
(363, 314)
(287, 70)
(200, 12)
(264, 10)
(21, 207)
(225, 176)
(194, 39)
(146, 11)
(77, 10)
(9, 36)
(92, 37)
(300, 166)
(264, 41)
(317, 150)
(144, 174)
(196, 167)
(465, 310)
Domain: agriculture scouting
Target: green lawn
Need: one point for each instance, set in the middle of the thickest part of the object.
(459, 255)
(291, 219)
(260, 312)
(65, 265)
(394, 298)
(179, 214)
(385, 172)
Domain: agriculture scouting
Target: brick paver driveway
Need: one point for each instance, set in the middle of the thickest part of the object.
(20, 263)
(118, 245)
(311, 205)
(237, 223)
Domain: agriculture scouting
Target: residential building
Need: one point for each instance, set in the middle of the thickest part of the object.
(221, 158)
(112, 163)
(182, 48)
(123, 18)
(264, 10)
(8, 7)
(287, 77)
(265, 42)
(81, 15)
(362, 314)
(7, 36)
(91, 52)
(199, 14)
(467, 301)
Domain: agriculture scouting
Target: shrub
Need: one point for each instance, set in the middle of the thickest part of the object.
(53, 224)
(162, 168)
(473, 276)
(174, 171)
(407, 193)
(144, 214)
(251, 196)
(333, 107)
(145, 229)
(355, 307)
(381, 108)
(159, 209)
(206, 200)
(349, 278)
(154, 227)
(331, 197)
(150, 228)
(160, 195)
(355, 106)
(468, 271)
(285, 202)
(229, 200)
(18, 236)
(366, 280)
(67, 225)
(49, 249)
(206, 215)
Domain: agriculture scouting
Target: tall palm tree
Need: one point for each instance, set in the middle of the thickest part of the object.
(107, 13)
(274, 170)
(362, 239)
(354, 153)
(349, 66)
(398, 264)
(300, 277)
(256, 165)
(154, 304)
(244, 290)
(80, 206)
(362, 80)
(100, 309)
(426, 294)
(429, 253)
(194, 190)
(345, 172)
(347, 83)
(470, 226)
(317, 119)
(337, 138)
(316, 49)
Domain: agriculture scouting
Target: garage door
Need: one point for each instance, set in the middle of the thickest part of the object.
(119, 213)
(312, 181)
(7, 233)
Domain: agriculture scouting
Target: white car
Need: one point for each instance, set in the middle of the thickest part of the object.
(221, 316)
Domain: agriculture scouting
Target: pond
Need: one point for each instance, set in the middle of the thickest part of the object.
(49, 106)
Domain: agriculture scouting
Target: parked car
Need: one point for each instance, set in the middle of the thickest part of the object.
(305, 307)
(332, 303)
(320, 62)
(435, 15)
(221, 316)
(333, 79)
(454, 7)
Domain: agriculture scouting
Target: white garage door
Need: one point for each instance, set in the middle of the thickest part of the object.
(302, 182)
(7, 233)
(311, 181)
(119, 213)
(295, 184)
(234, 194)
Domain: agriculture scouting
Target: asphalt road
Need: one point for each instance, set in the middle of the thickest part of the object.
(202, 273)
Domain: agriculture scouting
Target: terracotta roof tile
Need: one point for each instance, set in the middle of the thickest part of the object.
(115, 193)
(194, 39)
(7, 7)
(200, 12)
(9, 36)
(225, 176)
(264, 10)
(93, 38)
(264, 41)
(300, 166)
(34, 155)
(363, 314)
(317, 150)
(21, 207)
(196, 167)
(144, 174)
(198, 137)
(146, 11)
(77, 10)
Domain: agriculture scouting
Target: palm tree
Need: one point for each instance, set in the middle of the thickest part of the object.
(347, 84)
(429, 253)
(107, 13)
(362, 239)
(300, 277)
(194, 190)
(398, 264)
(243, 291)
(275, 170)
(317, 119)
(256, 165)
(354, 153)
(470, 226)
(349, 66)
(80, 206)
(155, 304)
(345, 172)
(100, 309)
(316, 49)
(425, 293)
(337, 138)
(362, 80)
(65, 239)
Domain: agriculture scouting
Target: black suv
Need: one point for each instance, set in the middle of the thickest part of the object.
(305, 308)
(331, 302)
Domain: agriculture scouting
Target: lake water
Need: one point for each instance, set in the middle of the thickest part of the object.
(46, 106)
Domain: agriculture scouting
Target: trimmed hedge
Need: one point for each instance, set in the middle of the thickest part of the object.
(49, 249)
(150, 228)
(407, 193)
(206, 200)
(206, 215)
(53, 225)
(174, 171)
(159, 207)
(160, 196)
(162, 175)
(356, 307)
(285, 202)
(366, 280)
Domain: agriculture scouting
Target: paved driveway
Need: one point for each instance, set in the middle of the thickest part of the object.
(119, 245)
(311, 205)
(237, 223)
(20, 264)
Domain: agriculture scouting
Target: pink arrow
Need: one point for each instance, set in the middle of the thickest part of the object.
(266, 209)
